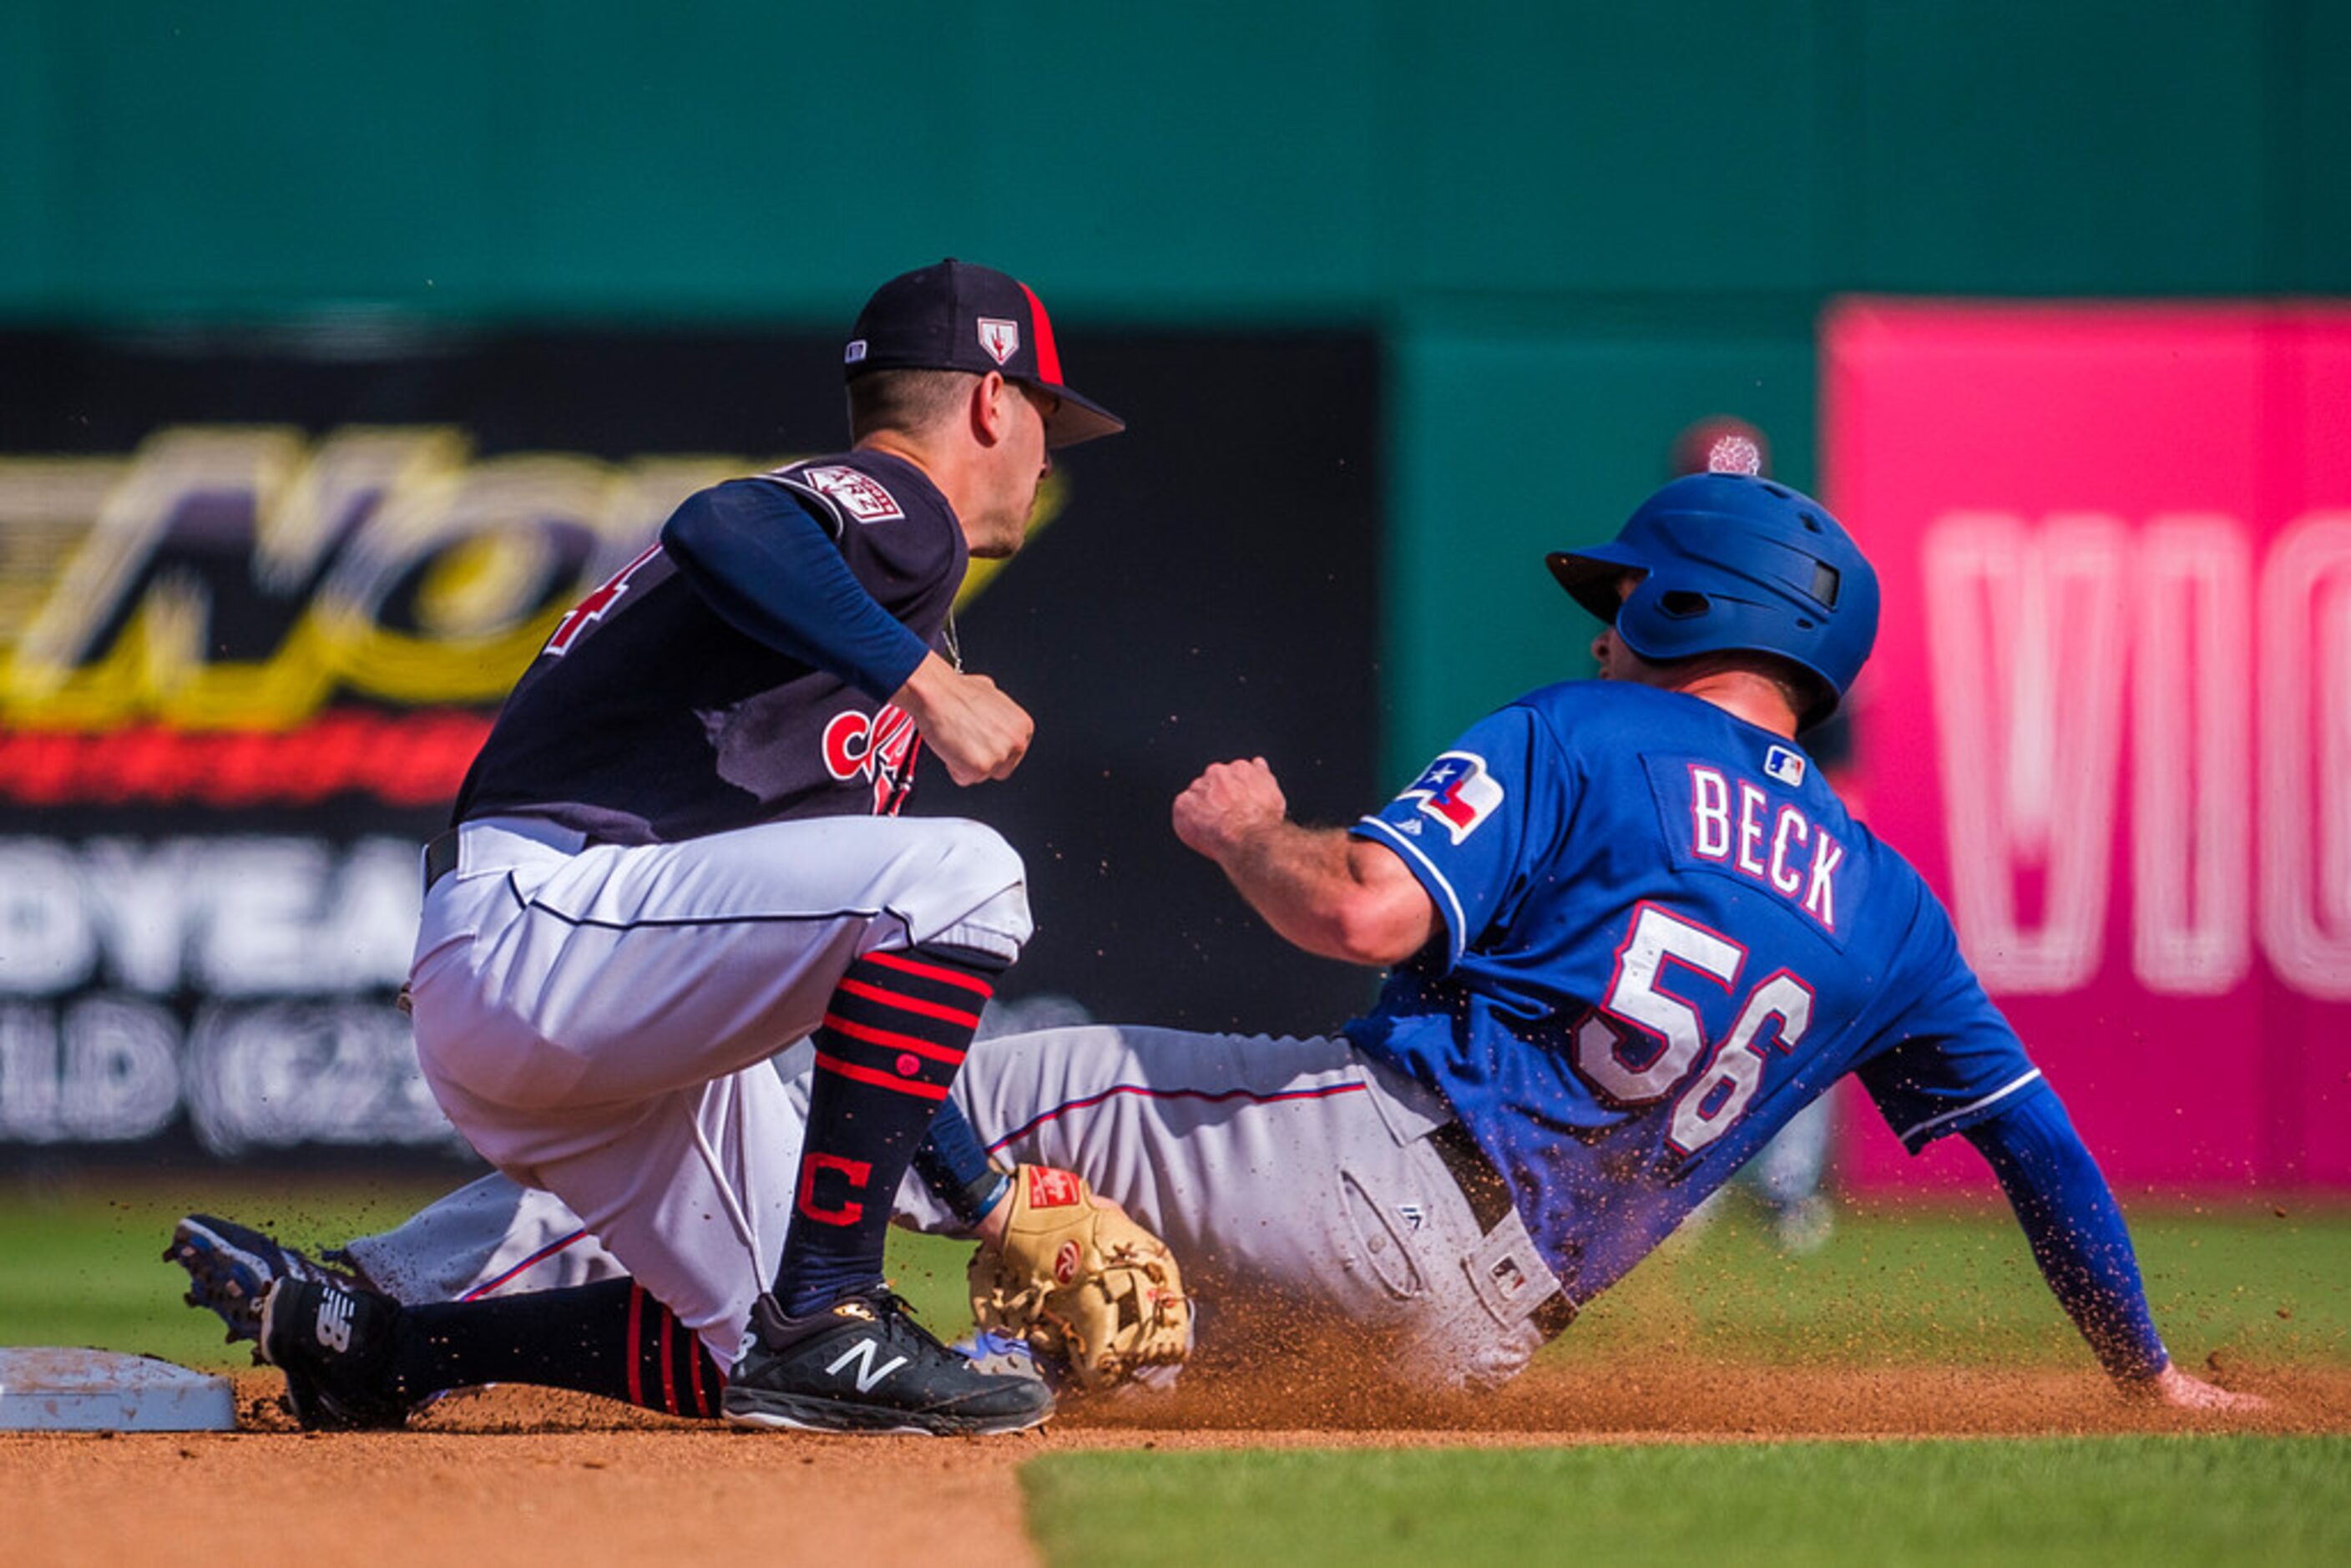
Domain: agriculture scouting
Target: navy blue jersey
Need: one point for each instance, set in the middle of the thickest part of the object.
(1663, 937)
(649, 718)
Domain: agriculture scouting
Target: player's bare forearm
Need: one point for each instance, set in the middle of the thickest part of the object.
(1321, 890)
(968, 722)
(1296, 879)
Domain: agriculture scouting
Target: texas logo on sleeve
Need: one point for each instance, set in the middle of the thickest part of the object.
(1457, 791)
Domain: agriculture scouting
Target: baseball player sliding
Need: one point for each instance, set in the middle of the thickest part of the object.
(1629, 933)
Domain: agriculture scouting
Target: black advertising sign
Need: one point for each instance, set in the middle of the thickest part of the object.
(260, 596)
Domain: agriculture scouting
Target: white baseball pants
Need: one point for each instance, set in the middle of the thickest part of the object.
(597, 1019)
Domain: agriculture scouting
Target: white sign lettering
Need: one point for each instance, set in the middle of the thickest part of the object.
(297, 943)
(2047, 644)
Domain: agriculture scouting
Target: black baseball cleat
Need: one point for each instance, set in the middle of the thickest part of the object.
(864, 1364)
(333, 1341)
(231, 1266)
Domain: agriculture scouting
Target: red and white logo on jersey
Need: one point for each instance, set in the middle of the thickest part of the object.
(1000, 338)
(591, 609)
(1049, 1188)
(879, 748)
(1456, 790)
(857, 494)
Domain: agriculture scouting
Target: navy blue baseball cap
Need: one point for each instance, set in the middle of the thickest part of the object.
(957, 315)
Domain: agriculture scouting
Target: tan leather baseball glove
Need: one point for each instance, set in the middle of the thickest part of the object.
(1085, 1285)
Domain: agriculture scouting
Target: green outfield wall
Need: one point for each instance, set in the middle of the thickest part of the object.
(1576, 228)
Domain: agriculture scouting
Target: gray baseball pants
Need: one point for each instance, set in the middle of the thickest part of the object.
(1306, 1191)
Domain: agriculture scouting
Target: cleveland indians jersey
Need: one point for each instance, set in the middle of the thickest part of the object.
(1664, 936)
(647, 718)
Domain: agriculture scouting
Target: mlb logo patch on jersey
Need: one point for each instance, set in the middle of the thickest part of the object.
(861, 496)
(1785, 764)
(1000, 338)
(1457, 791)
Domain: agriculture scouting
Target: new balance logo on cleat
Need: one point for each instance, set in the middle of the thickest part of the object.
(863, 1353)
(334, 1325)
(335, 1347)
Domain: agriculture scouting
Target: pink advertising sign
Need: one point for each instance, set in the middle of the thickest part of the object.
(2109, 716)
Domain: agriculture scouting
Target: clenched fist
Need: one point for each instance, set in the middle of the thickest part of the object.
(1226, 804)
(969, 724)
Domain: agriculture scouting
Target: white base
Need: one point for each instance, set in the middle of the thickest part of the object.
(57, 1390)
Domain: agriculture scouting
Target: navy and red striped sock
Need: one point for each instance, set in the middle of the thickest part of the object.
(609, 1338)
(890, 1043)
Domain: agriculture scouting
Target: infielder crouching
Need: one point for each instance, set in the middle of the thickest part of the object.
(678, 852)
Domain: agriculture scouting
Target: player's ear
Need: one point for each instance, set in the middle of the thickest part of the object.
(991, 407)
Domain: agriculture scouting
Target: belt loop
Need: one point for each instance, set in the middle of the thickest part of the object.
(440, 857)
(1481, 1183)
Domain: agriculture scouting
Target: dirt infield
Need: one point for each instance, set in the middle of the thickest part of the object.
(528, 1476)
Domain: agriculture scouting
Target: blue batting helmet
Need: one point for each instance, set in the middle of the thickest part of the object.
(1731, 561)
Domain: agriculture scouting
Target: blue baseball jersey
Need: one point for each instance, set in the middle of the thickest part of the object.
(1664, 936)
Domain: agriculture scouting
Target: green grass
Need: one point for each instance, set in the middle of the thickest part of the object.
(2134, 1499)
(81, 1265)
(1957, 1287)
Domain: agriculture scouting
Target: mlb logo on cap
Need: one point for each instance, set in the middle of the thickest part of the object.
(957, 315)
(1000, 338)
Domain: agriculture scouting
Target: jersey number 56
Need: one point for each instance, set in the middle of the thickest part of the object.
(1668, 1038)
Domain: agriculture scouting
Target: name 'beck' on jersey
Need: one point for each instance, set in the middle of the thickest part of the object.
(1664, 936)
(648, 719)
